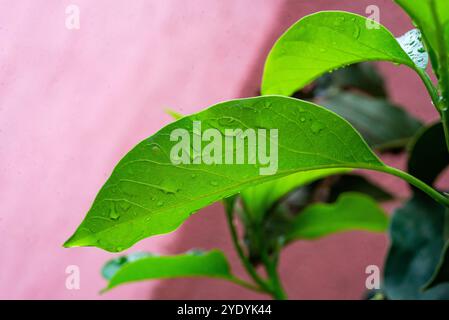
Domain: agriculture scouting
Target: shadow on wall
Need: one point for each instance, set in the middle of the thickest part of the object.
(330, 268)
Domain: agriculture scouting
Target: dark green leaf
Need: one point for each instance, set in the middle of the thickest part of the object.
(382, 124)
(360, 184)
(360, 77)
(428, 158)
(429, 155)
(417, 241)
(441, 274)
(427, 235)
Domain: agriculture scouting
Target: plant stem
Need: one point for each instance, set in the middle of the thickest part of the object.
(246, 263)
(278, 291)
(445, 121)
(246, 284)
(437, 196)
(443, 71)
(271, 265)
(431, 89)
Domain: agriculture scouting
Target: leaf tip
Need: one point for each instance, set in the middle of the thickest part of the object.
(174, 114)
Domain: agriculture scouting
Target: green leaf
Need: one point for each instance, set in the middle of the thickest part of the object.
(421, 13)
(417, 240)
(441, 274)
(259, 199)
(148, 267)
(352, 211)
(395, 127)
(148, 195)
(323, 42)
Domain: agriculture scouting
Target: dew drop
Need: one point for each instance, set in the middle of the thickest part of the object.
(160, 203)
(356, 33)
(214, 183)
(317, 127)
(124, 206)
(113, 214)
(155, 149)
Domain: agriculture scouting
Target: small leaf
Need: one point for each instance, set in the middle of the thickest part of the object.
(393, 128)
(194, 264)
(352, 211)
(323, 42)
(147, 194)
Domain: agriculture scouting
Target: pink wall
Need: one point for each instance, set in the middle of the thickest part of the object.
(73, 102)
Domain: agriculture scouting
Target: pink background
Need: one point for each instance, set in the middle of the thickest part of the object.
(72, 102)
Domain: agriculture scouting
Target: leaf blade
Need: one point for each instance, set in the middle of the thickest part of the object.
(211, 264)
(351, 211)
(304, 51)
(148, 195)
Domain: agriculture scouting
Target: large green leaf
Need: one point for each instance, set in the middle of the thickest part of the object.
(149, 267)
(147, 194)
(352, 211)
(323, 42)
(417, 240)
(395, 126)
